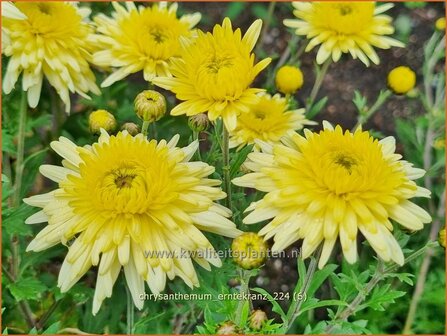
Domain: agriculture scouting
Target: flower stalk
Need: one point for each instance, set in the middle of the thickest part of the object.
(321, 73)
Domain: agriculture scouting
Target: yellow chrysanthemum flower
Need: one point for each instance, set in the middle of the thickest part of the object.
(330, 185)
(401, 80)
(267, 120)
(101, 119)
(133, 203)
(53, 41)
(442, 237)
(440, 24)
(11, 12)
(215, 74)
(249, 250)
(143, 38)
(342, 27)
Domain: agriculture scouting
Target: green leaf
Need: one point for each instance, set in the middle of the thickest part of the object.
(276, 307)
(234, 9)
(14, 220)
(381, 296)
(31, 169)
(8, 145)
(244, 313)
(316, 108)
(319, 277)
(315, 303)
(240, 158)
(52, 329)
(27, 289)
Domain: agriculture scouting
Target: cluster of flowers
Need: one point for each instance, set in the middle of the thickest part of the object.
(126, 194)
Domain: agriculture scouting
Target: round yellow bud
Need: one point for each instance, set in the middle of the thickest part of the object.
(198, 122)
(289, 79)
(227, 328)
(132, 128)
(442, 237)
(439, 143)
(257, 319)
(101, 119)
(401, 80)
(440, 24)
(249, 250)
(150, 105)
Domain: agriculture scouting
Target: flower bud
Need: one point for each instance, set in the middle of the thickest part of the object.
(442, 237)
(289, 79)
(101, 119)
(257, 319)
(227, 328)
(440, 24)
(401, 80)
(249, 250)
(198, 122)
(150, 105)
(132, 128)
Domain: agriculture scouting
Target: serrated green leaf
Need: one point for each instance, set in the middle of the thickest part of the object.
(276, 307)
(27, 289)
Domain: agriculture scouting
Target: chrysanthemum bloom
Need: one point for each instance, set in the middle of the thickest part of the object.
(215, 74)
(268, 120)
(342, 27)
(52, 42)
(289, 79)
(132, 203)
(401, 80)
(143, 38)
(249, 250)
(101, 119)
(330, 185)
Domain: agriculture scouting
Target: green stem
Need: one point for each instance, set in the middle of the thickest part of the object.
(130, 312)
(20, 150)
(317, 85)
(267, 22)
(196, 136)
(365, 116)
(226, 164)
(306, 283)
(145, 128)
(245, 280)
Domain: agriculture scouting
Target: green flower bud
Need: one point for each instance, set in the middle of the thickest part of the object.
(150, 105)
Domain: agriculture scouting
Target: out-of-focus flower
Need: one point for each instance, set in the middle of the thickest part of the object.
(442, 237)
(143, 38)
(53, 41)
(329, 185)
(132, 128)
(101, 119)
(150, 105)
(439, 143)
(401, 80)
(344, 27)
(440, 24)
(257, 318)
(249, 250)
(133, 203)
(215, 73)
(268, 120)
(289, 79)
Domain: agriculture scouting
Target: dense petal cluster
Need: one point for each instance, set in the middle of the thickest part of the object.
(51, 40)
(133, 203)
(330, 185)
(342, 27)
(268, 120)
(215, 73)
(143, 38)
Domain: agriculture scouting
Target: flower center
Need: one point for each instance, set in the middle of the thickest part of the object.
(158, 34)
(216, 63)
(344, 18)
(345, 160)
(124, 181)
